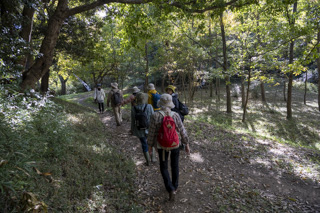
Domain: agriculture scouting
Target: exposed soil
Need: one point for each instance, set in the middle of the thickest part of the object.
(226, 172)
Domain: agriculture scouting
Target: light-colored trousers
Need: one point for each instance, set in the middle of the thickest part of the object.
(117, 114)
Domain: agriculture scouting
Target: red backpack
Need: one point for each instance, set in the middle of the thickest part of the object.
(167, 135)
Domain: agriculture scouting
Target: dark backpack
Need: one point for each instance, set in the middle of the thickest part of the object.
(155, 99)
(116, 98)
(183, 108)
(141, 118)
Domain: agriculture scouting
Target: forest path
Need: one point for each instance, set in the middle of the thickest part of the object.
(226, 172)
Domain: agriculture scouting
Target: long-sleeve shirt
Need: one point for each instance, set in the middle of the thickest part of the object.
(99, 95)
(110, 96)
(155, 124)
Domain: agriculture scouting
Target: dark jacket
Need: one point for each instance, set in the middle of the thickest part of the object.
(175, 101)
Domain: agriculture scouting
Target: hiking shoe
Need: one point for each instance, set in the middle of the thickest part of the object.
(172, 195)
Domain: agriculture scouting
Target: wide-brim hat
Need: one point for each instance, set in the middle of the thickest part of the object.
(151, 87)
(114, 85)
(166, 101)
(135, 89)
(141, 98)
(173, 88)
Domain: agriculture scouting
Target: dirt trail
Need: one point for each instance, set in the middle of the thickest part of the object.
(237, 174)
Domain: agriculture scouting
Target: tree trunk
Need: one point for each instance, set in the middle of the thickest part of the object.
(146, 82)
(44, 61)
(305, 89)
(318, 64)
(45, 83)
(218, 89)
(26, 30)
(63, 85)
(263, 92)
(211, 88)
(243, 93)
(225, 64)
(247, 98)
(289, 100)
(284, 90)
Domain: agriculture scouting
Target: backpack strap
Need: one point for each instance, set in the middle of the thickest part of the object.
(145, 107)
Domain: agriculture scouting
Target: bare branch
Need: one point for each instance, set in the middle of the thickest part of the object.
(99, 3)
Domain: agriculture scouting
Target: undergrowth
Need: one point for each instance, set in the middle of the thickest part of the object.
(55, 157)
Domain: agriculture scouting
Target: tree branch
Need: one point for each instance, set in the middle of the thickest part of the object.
(99, 3)
(182, 6)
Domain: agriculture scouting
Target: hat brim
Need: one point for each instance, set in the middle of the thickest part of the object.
(170, 105)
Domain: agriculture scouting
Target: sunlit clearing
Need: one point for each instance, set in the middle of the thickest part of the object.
(196, 157)
(317, 145)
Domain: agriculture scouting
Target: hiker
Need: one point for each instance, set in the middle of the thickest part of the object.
(156, 138)
(115, 97)
(154, 97)
(99, 96)
(132, 98)
(140, 119)
(171, 91)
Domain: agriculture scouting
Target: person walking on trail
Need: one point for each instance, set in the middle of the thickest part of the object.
(140, 119)
(99, 96)
(115, 97)
(171, 91)
(132, 98)
(163, 122)
(154, 97)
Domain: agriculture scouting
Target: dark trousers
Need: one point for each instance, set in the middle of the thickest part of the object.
(144, 144)
(101, 107)
(170, 184)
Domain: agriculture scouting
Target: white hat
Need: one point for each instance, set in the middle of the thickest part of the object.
(135, 89)
(166, 101)
(151, 87)
(114, 85)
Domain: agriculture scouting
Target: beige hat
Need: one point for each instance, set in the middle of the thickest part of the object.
(114, 85)
(166, 101)
(141, 98)
(151, 87)
(135, 89)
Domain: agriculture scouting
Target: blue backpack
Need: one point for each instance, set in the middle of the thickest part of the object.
(155, 99)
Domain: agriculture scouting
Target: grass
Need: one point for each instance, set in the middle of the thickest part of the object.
(57, 158)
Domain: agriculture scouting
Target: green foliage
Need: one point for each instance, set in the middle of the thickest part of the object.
(54, 155)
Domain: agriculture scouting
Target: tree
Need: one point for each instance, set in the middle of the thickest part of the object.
(62, 11)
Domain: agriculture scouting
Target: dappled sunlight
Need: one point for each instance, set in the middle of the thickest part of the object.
(97, 200)
(138, 162)
(288, 160)
(74, 119)
(196, 157)
(106, 119)
(101, 149)
(199, 110)
(261, 161)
